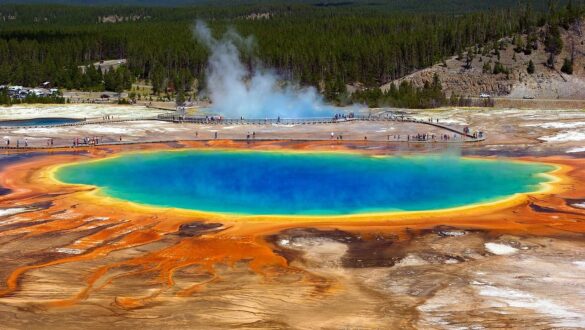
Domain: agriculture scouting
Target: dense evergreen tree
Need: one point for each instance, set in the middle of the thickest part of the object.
(530, 68)
(487, 67)
(500, 68)
(567, 66)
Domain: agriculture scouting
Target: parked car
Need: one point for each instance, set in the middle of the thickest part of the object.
(484, 95)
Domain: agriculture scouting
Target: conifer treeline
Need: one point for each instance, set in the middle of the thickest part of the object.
(312, 44)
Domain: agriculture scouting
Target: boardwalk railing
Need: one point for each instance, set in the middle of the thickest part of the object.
(205, 140)
(308, 121)
(257, 121)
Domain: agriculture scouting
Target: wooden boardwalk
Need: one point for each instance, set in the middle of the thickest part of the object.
(137, 142)
(268, 121)
(308, 121)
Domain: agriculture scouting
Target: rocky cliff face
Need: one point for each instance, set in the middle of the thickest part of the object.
(545, 83)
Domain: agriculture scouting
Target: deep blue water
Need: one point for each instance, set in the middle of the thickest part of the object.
(247, 182)
(39, 122)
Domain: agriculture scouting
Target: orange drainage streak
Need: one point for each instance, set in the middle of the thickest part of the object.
(196, 287)
(130, 240)
(53, 226)
(205, 252)
(133, 303)
(120, 229)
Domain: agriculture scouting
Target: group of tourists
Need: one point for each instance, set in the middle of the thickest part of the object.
(253, 136)
(475, 135)
(19, 144)
(343, 116)
(213, 119)
(87, 141)
(7, 141)
(24, 143)
(337, 137)
(395, 137)
(50, 142)
(401, 117)
(423, 137)
(447, 137)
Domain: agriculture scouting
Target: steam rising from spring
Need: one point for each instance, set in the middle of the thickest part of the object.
(237, 91)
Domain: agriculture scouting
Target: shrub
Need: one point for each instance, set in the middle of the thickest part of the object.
(567, 66)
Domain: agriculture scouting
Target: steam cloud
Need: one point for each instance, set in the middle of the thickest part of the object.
(237, 91)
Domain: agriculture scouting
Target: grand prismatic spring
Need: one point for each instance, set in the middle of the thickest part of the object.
(280, 183)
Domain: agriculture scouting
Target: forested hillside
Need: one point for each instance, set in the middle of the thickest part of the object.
(452, 6)
(316, 44)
